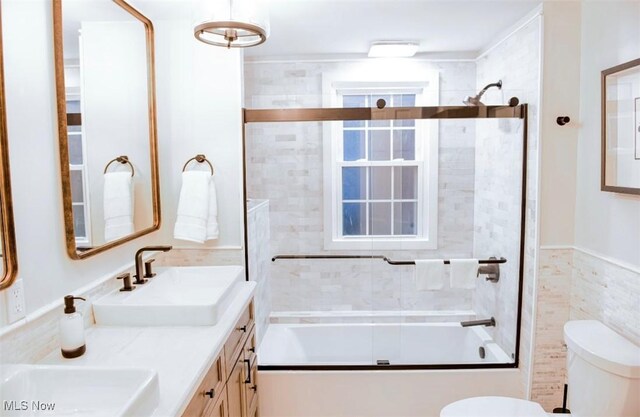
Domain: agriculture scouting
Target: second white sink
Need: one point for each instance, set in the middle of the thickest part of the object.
(176, 296)
(44, 390)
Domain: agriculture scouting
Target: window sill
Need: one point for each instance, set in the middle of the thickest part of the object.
(380, 244)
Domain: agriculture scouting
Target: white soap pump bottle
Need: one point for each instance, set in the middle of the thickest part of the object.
(72, 341)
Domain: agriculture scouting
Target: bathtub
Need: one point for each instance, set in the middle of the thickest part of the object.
(331, 370)
(364, 344)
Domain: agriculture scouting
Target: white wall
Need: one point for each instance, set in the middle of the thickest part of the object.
(199, 90)
(606, 223)
(199, 95)
(560, 92)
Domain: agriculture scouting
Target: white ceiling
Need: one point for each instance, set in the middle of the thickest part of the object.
(300, 28)
(330, 27)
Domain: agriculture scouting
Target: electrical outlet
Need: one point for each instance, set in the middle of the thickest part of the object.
(15, 301)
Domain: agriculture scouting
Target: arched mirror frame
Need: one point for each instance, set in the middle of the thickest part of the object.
(9, 257)
(63, 139)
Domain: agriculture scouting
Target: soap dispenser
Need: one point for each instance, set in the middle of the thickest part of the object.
(72, 329)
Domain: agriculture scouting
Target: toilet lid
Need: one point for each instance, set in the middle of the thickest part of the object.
(493, 407)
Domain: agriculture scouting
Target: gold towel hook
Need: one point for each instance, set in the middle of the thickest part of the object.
(123, 159)
(200, 158)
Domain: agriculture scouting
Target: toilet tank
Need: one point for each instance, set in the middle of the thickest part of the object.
(603, 370)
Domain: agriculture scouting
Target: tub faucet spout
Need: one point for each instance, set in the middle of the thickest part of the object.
(486, 322)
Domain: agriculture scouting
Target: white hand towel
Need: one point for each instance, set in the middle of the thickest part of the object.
(193, 207)
(464, 273)
(212, 219)
(118, 205)
(429, 274)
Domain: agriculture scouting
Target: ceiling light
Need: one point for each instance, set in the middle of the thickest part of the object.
(393, 49)
(236, 24)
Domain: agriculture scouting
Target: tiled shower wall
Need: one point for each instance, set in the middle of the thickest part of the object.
(578, 285)
(259, 261)
(285, 166)
(498, 190)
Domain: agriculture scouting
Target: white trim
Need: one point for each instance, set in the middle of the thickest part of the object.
(209, 248)
(465, 56)
(516, 27)
(536, 265)
(333, 85)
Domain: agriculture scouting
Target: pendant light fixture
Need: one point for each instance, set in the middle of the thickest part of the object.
(234, 24)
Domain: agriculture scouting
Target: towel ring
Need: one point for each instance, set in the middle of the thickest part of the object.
(123, 159)
(200, 158)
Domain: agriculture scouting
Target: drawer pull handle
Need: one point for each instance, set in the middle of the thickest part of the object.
(248, 363)
(211, 393)
(255, 388)
(242, 329)
(252, 350)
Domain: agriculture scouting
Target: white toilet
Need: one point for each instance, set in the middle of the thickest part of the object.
(603, 370)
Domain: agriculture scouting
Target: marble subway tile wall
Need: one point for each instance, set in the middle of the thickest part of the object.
(553, 301)
(577, 285)
(285, 166)
(604, 290)
(260, 262)
(515, 61)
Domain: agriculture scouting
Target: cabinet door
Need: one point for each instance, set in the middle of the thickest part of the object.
(235, 389)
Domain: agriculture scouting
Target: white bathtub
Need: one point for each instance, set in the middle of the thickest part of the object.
(368, 343)
(377, 390)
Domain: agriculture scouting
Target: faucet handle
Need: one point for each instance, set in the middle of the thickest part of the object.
(148, 273)
(126, 279)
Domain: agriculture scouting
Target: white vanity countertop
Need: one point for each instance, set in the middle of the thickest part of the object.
(180, 355)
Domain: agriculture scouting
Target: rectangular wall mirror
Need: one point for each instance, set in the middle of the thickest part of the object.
(104, 52)
(8, 242)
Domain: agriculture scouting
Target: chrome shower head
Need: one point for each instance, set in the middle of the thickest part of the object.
(475, 101)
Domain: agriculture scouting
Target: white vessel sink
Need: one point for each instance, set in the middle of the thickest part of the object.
(49, 390)
(176, 296)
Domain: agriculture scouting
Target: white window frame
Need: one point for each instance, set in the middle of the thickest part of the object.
(427, 94)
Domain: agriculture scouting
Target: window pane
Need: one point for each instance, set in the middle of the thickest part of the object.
(380, 183)
(353, 183)
(77, 195)
(73, 106)
(404, 222)
(404, 100)
(78, 221)
(380, 218)
(373, 100)
(404, 145)
(353, 219)
(75, 149)
(353, 101)
(353, 145)
(379, 146)
(405, 183)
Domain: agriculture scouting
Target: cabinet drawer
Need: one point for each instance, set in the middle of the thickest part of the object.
(209, 391)
(233, 346)
(219, 408)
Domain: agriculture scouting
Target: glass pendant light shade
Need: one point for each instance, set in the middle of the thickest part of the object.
(234, 24)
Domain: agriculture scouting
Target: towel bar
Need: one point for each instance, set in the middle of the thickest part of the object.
(200, 158)
(123, 159)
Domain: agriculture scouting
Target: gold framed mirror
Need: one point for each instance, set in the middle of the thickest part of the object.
(105, 86)
(8, 249)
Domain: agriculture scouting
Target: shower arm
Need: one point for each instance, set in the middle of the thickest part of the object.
(488, 86)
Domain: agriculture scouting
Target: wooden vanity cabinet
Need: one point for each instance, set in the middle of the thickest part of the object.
(229, 388)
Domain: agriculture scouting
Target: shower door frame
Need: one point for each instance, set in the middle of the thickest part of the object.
(395, 113)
